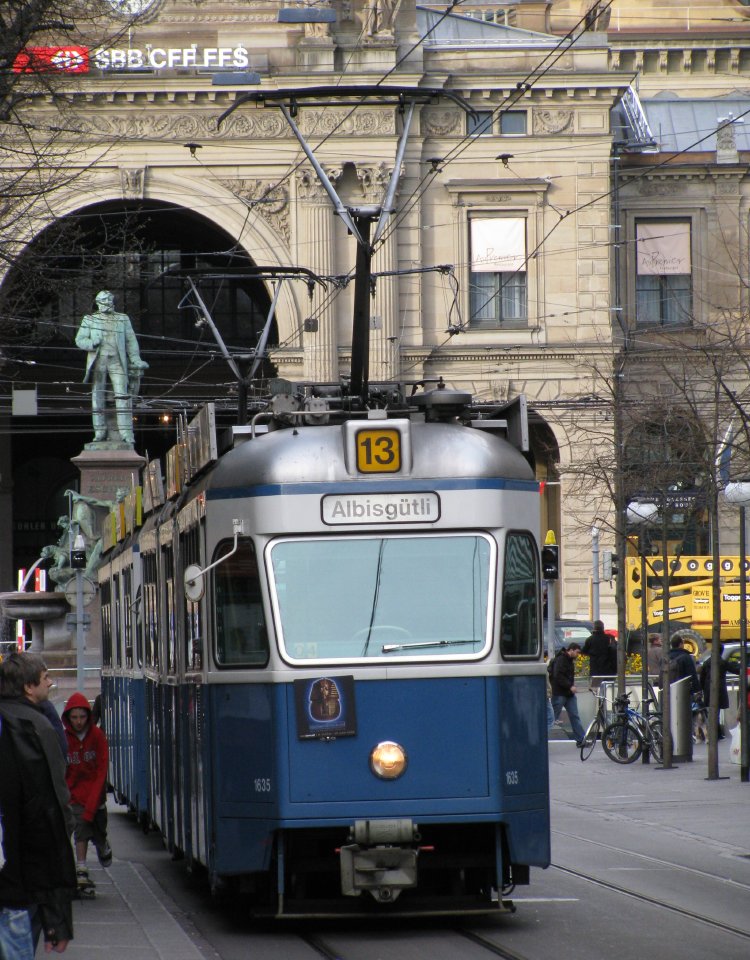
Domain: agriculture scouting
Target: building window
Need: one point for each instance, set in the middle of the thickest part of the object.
(513, 123)
(479, 122)
(663, 283)
(498, 272)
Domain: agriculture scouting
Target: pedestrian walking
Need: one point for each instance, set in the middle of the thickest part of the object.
(88, 759)
(562, 684)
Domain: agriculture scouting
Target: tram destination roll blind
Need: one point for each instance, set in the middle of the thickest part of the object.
(380, 508)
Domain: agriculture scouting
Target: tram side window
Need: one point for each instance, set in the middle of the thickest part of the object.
(190, 553)
(241, 635)
(171, 631)
(127, 615)
(117, 622)
(520, 623)
(149, 613)
(106, 607)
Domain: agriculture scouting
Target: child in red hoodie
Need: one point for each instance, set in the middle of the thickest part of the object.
(86, 776)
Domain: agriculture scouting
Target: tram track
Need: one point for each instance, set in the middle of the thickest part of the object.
(659, 861)
(663, 904)
(495, 948)
(324, 949)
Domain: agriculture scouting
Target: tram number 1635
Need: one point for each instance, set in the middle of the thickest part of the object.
(262, 784)
(511, 778)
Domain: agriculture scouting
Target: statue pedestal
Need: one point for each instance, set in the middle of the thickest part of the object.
(105, 471)
(373, 55)
(316, 54)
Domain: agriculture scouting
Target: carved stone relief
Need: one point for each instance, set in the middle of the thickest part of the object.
(132, 183)
(728, 186)
(374, 180)
(441, 123)
(653, 188)
(268, 200)
(250, 125)
(552, 121)
(309, 187)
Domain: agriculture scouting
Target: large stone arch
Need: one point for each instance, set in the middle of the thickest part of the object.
(57, 359)
(265, 242)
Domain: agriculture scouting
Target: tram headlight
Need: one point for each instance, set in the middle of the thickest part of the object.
(388, 760)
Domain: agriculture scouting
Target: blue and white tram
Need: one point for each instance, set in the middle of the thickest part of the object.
(342, 703)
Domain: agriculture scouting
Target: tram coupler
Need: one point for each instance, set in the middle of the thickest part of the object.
(378, 861)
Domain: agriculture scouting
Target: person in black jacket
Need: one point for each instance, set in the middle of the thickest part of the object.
(725, 667)
(562, 684)
(601, 652)
(39, 870)
(681, 665)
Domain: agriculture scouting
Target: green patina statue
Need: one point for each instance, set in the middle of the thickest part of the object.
(113, 358)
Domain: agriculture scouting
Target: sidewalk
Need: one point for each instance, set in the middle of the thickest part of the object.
(130, 919)
(686, 782)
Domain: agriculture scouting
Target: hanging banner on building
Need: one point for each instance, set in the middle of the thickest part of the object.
(663, 248)
(67, 59)
(498, 244)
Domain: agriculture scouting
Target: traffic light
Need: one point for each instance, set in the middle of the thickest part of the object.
(610, 565)
(550, 562)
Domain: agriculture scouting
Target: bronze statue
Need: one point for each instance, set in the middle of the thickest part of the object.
(113, 356)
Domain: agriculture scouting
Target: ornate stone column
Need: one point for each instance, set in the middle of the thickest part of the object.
(384, 332)
(315, 251)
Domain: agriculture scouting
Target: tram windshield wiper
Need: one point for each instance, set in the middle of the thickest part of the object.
(390, 647)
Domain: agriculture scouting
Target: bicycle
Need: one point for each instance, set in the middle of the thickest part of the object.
(599, 723)
(625, 738)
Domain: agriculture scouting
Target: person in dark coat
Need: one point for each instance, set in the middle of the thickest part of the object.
(562, 685)
(725, 667)
(601, 652)
(39, 870)
(681, 664)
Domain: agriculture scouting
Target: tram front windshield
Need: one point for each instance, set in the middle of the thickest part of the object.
(425, 597)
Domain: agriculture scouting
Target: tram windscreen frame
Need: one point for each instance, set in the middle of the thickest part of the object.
(383, 597)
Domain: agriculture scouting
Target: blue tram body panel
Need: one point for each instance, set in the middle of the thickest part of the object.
(442, 725)
(477, 751)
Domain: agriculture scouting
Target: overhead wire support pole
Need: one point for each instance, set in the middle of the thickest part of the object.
(214, 329)
(322, 176)
(358, 219)
(386, 211)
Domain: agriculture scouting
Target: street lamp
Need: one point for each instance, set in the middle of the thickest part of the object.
(78, 563)
(641, 515)
(738, 494)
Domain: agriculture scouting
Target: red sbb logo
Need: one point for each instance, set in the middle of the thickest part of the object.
(52, 60)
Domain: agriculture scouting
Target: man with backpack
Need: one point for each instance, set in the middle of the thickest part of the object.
(562, 683)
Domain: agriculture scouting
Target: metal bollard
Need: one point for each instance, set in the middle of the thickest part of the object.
(681, 704)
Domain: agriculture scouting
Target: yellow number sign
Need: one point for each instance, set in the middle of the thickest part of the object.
(378, 451)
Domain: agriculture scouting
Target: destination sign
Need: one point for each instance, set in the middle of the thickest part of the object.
(362, 508)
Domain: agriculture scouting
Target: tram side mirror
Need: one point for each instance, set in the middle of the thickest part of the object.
(194, 585)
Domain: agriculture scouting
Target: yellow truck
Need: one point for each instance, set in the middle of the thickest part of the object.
(690, 597)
